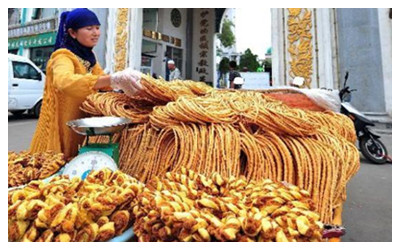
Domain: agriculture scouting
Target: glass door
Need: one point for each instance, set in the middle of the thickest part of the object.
(175, 54)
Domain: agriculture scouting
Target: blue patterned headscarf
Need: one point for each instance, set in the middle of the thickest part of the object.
(76, 19)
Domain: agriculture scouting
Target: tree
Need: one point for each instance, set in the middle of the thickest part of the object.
(226, 36)
(249, 60)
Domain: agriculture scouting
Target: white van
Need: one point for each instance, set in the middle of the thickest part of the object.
(25, 86)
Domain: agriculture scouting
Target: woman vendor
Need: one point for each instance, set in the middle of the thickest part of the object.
(72, 74)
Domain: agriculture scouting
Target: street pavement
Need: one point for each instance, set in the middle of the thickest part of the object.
(367, 213)
(20, 131)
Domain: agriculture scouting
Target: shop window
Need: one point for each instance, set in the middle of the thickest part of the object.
(146, 65)
(13, 16)
(25, 71)
(38, 53)
(37, 13)
(150, 19)
(43, 13)
(149, 51)
(40, 56)
(149, 47)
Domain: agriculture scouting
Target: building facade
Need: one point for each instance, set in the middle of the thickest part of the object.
(155, 36)
(317, 44)
(32, 33)
(322, 44)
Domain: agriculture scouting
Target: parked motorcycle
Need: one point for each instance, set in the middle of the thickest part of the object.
(371, 147)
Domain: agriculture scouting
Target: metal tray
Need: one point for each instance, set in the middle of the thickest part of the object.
(106, 125)
(125, 236)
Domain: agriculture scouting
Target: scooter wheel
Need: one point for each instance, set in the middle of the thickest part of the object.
(375, 153)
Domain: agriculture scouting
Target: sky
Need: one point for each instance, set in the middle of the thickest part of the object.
(253, 30)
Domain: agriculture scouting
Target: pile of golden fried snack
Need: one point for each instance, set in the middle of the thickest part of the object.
(24, 167)
(185, 206)
(181, 206)
(95, 209)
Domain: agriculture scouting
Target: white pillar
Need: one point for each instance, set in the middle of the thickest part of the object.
(278, 47)
(324, 42)
(214, 61)
(110, 42)
(385, 33)
(135, 38)
(315, 81)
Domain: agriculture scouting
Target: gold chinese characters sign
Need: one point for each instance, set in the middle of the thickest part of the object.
(159, 36)
(300, 44)
(121, 39)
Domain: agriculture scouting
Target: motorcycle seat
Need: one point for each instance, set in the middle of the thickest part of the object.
(364, 119)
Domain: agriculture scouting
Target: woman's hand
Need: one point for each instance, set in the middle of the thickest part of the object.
(103, 82)
(128, 81)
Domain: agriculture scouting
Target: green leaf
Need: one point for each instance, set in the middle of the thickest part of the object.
(226, 36)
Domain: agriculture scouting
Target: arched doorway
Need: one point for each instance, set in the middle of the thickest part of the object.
(244, 33)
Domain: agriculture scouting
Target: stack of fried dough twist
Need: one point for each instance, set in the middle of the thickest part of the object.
(162, 92)
(24, 167)
(185, 206)
(156, 92)
(117, 104)
(96, 209)
(238, 133)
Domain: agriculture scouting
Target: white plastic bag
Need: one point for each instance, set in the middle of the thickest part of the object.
(326, 99)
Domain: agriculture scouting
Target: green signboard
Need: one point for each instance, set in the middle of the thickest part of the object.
(40, 40)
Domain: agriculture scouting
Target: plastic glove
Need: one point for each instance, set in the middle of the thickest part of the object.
(128, 81)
